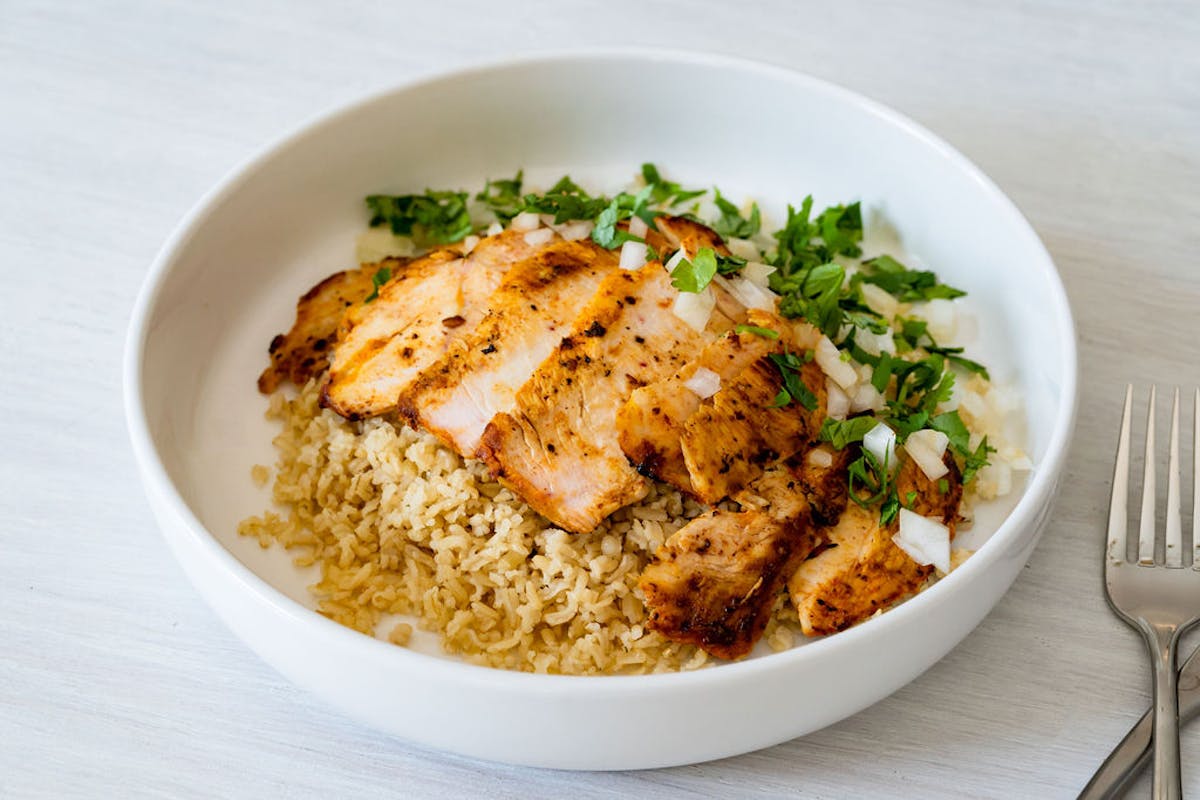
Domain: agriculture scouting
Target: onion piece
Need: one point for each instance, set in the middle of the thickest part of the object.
(837, 404)
(539, 237)
(638, 227)
(866, 398)
(875, 343)
(880, 442)
(525, 221)
(469, 244)
(704, 383)
(928, 447)
(576, 230)
(820, 457)
(758, 273)
(879, 300)
(674, 260)
(495, 228)
(925, 540)
(747, 293)
(695, 309)
(633, 255)
(829, 359)
(743, 248)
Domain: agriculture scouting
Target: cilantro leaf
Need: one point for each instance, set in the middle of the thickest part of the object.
(695, 275)
(729, 265)
(732, 223)
(840, 433)
(976, 460)
(906, 285)
(813, 295)
(381, 276)
(842, 229)
(666, 193)
(766, 333)
(954, 356)
(951, 424)
(430, 219)
(503, 196)
(622, 207)
(789, 366)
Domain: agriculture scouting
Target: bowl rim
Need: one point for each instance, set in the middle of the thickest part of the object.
(1038, 492)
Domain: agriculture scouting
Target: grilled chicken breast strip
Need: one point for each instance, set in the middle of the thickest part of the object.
(557, 448)
(478, 377)
(861, 570)
(304, 350)
(428, 303)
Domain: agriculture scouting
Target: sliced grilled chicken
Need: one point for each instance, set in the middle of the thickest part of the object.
(728, 441)
(304, 350)
(428, 303)
(861, 571)
(651, 423)
(714, 583)
(557, 448)
(528, 316)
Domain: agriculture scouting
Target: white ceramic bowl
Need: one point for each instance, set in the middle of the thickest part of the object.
(228, 277)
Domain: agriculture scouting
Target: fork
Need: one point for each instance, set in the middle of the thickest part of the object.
(1159, 598)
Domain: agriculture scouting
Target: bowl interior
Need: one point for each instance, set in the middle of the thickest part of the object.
(230, 280)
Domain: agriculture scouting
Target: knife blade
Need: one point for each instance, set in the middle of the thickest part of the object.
(1132, 755)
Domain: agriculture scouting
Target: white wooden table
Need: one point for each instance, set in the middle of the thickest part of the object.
(116, 681)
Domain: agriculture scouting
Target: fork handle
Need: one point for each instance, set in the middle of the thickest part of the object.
(1168, 782)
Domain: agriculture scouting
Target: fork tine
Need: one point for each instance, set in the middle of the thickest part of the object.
(1118, 514)
(1146, 528)
(1173, 553)
(1196, 480)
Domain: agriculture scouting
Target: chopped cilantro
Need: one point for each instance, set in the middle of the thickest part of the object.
(430, 219)
(566, 200)
(503, 196)
(943, 486)
(666, 193)
(840, 433)
(976, 460)
(955, 357)
(381, 276)
(695, 275)
(766, 333)
(789, 366)
(813, 294)
(622, 207)
(729, 265)
(731, 222)
(906, 285)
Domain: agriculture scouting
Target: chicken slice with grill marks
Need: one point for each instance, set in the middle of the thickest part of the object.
(528, 315)
(651, 422)
(729, 440)
(557, 448)
(429, 302)
(861, 570)
(714, 582)
(304, 350)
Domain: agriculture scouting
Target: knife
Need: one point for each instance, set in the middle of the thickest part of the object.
(1132, 755)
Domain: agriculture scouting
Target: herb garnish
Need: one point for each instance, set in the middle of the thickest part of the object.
(381, 276)
(731, 222)
(766, 333)
(430, 219)
(503, 196)
(789, 366)
(695, 275)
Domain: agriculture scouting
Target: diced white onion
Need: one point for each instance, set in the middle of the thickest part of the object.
(375, 244)
(539, 237)
(880, 442)
(704, 383)
(829, 358)
(525, 221)
(674, 260)
(469, 244)
(758, 273)
(879, 301)
(633, 255)
(928, 447)
(875, 343)
(837, 404)
(695, 309)
(574, 231)
(865, 398)
(820, 457)
(638, 227)
(743, 248)
(941, 316)
(748, 294)
(926, 541)
(495, 228)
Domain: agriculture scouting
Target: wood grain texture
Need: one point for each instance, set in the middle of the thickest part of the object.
(115, 680)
